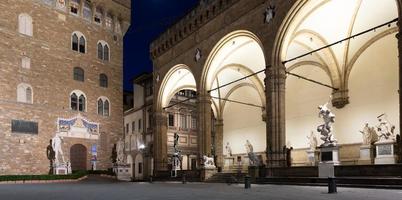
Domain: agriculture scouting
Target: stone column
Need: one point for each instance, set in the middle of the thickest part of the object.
(275, 112)
(219, 142)
(204, 128)
(160, 141)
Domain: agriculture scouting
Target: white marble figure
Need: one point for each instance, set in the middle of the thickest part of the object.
(57, 148)
(197, 55)
(369, 135)
(208, 162)
(120, 151)
(385, 130)
(312, 141)
(228, 149)
(326, 128)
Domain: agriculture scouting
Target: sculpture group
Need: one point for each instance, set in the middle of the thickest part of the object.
(325, 129)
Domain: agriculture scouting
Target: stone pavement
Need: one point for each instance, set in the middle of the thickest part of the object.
(107, 189)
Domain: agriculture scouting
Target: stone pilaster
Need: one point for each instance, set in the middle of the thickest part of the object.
(204, 128)
(219, 142)
(275, 115)
(160, 141)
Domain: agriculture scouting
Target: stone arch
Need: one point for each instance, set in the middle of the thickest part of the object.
(177, 78)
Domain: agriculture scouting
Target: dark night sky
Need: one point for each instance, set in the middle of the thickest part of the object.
(149, 18)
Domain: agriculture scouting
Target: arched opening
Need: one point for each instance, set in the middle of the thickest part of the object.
(367, 81)
(177, 85)
(78, 157)
(239, 107)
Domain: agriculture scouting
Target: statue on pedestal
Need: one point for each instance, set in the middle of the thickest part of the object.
(369, 135)
(326, 128)
(208, 162)
(385, 130)
(57, 148)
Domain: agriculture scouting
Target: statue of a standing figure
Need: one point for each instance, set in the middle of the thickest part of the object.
(57, 148)
(369, 135)
(253, 160)
(228, 149)
(312, 141)
(326, 128)
(120, 151)
(385, 130)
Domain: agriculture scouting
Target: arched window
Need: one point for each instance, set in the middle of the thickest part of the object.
(103, 80)
(81, 103)
(103, 106)
(78, 42)
(24, 93)
(106, 108)
(106, 52)
(82, 44)
(74, 42)
(25, 24)
(100, 107)
(79, 74)
(74, 101)
(103, 51)
(78, 101)
(100, 51)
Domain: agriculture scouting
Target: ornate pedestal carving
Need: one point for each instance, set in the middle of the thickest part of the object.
(62, 168)
(123, 172)
(385, 152)
(366, 155)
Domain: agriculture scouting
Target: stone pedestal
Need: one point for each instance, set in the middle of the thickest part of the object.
(385, 152)
(312, 156)
(123, 172)
(62, 169)
(329, 157)
(229, 162)
(366, 155)
(207, 173)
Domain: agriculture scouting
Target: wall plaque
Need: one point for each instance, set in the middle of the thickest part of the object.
(21, 126)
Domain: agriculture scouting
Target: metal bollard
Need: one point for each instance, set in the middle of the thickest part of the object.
(150, 179)
(247, 183)
(332, 185)
(184, 179)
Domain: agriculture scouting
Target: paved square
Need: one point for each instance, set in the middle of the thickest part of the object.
(104, 189)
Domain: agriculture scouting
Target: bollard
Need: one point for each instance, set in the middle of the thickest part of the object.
(247, 184)
(184, 179)
(150, 179)
(332, 185)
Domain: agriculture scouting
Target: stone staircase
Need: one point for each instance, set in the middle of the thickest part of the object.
(227, 177)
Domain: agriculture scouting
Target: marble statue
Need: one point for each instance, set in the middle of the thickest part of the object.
(120, 151)
(253, 159)
(326, 128)
(208, 162)
(369, 135)
(312, 141)
(228, 149)
(57, 148)
(385, 130)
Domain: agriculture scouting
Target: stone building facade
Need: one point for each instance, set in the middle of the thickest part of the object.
(60, 73)
(221, 41)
